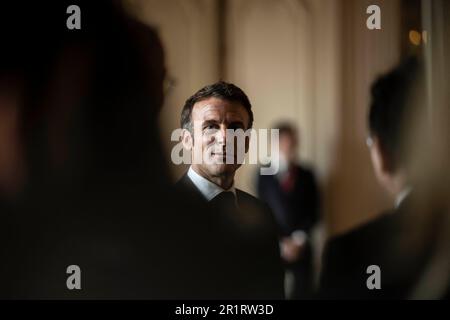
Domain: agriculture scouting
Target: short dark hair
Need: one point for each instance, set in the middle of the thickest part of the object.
(286, 128)
(391, 102)
(221, 90)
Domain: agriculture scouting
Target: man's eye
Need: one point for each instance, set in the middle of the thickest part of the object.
(211, 126)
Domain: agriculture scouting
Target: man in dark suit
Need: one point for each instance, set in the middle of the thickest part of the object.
(294, 198)
(235, 238)
(385, 257)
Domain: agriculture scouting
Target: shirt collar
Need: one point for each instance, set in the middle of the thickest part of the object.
(402, 195)
(208, 189)
(283, 167)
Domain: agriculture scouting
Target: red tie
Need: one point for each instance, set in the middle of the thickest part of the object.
(288, 182)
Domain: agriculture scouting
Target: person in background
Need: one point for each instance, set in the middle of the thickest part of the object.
(385, 258)
(293, 196)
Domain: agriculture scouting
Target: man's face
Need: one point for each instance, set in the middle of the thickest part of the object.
(210, 119)
(288, 146)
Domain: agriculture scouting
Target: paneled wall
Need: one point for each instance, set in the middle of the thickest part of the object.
(269, 51)
(353, 194)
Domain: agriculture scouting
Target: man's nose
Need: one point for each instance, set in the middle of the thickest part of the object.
(222, 135)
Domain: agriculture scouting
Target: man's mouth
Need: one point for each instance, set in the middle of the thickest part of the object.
(224, 158)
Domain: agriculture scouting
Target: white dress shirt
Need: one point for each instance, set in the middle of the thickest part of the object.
(208, 189)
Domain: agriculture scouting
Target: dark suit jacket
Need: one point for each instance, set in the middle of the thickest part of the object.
(126, 240)
(383, 242)
(297, 210)
(235, 255)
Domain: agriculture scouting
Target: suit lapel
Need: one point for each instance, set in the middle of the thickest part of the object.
(186, 185)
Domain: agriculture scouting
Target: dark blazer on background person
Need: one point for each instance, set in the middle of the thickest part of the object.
(297, 209)
(235, 254)
(380, 242)
(294, 200)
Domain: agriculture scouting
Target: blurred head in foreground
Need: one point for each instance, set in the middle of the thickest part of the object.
(390, 110)
(83, 107)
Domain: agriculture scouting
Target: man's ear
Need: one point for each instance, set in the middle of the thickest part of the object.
(187, 139)
(388, 162)
(380, 158)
